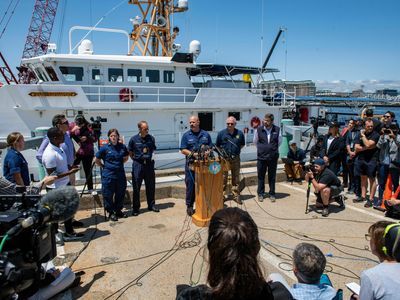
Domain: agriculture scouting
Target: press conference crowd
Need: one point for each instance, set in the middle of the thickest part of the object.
(365, 153)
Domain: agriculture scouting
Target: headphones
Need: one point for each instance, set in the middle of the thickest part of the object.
(391, 237)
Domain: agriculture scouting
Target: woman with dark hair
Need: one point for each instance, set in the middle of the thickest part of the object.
(111, 158)
(15, 167)
(234, 268)
(83, 134)
(383, 280)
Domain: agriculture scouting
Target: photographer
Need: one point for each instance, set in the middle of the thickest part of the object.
(83, 134)
(326, 184)
(9, 188)
(332, 148)
(388, 145)
(294, 169)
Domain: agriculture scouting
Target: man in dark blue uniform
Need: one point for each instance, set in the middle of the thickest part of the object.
(141, 148)
(231, 140)
(192, 141)
(267, 138)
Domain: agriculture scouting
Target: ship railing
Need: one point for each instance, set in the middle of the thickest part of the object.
(124, 93)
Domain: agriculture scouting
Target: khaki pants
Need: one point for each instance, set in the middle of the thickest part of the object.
(293, 171)
(234, 166)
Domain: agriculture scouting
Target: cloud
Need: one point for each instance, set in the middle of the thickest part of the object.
(369, 85)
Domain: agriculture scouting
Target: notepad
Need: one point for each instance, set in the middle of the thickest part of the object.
(354, 287)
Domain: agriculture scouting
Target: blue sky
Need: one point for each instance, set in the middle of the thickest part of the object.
(341, 44)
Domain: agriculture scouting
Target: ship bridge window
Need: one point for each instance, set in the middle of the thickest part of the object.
(52, 73)
(134, 75)
(169, 76)
(235, 114)
(39, 74)
(152, 76)
(96, 74)
(115, 75)
(72, 73)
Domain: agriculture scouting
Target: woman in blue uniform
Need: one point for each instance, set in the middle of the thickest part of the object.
(111, 158)
(15, 167)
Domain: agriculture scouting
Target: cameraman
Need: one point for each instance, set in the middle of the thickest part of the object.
(83, 134)
(352, 135)
(326, 184)
(388, 145)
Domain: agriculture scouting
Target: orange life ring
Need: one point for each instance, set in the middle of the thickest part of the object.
(255, 122)
(126, 95)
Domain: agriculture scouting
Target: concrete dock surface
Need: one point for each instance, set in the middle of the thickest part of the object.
(148, 256)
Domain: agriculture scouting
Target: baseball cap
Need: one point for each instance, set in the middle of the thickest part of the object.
(319, 162)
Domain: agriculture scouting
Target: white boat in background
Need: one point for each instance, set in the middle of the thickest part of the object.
(162, 86)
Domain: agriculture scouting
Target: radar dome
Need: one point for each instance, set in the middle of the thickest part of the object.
(195, 48)
(183, 4)
(86, 47)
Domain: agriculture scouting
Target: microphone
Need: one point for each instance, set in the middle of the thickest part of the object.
(56, 206)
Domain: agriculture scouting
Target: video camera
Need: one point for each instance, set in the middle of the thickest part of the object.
(28, 237)
(96, 125)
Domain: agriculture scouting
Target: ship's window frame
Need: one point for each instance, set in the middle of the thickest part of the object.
(134, 75)
(94, 76)
(169, 76)
(115, 75)
(43, 75)
(152, 76)
(52, 73)
(69, 71)
(38, 74)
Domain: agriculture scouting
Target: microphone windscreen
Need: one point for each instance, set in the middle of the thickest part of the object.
(62, 203)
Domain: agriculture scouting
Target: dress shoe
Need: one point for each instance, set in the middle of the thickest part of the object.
(237, 199)
(121, 214)
(113, 217)
(73, 236)
(153, 208)
(190, 211)
(135, 213)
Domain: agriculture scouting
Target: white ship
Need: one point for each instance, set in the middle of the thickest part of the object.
(161, 85)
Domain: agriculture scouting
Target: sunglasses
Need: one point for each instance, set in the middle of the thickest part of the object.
(230, 124)
(386, 117)
(65, 123)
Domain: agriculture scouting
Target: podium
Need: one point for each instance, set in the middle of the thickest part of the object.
(209, 190)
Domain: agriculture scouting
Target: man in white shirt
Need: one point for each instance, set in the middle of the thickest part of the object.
(54, 161)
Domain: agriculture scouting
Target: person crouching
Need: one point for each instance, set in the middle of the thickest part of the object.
(326, 184)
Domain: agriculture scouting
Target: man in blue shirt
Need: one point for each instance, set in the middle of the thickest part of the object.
(141, 148)
(308, 265)
(192, 141)
(267, 138)
(231, 140)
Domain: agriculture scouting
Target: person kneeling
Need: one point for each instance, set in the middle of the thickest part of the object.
(326, 184)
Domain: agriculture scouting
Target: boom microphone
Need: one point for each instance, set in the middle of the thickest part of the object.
(56, 206)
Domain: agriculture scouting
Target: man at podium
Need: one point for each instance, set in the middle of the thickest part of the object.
(192, 141)
(231, 140)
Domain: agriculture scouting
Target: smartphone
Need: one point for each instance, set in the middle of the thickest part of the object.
(353, 287)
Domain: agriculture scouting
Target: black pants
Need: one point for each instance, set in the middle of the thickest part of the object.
(67, 223)
(262, 167)
(87, 168)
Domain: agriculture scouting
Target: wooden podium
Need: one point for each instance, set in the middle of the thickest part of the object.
(209, 190)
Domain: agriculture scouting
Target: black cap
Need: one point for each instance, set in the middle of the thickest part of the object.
(333, 124)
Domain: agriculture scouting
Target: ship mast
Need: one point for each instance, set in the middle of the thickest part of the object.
(151, 34)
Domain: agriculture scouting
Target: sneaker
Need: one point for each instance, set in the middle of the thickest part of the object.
(325, 212)
(190, 211)
(272, 198)
(260, 198)
(68, 237)
(340, 201)
(368, 204)
(359, 199)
